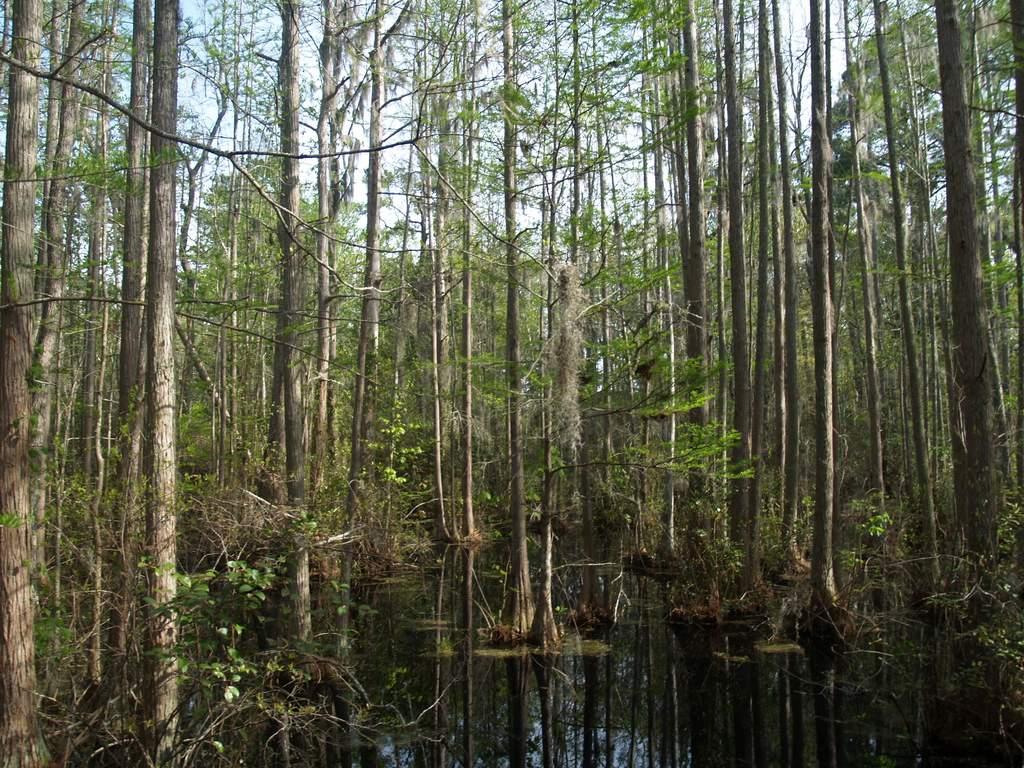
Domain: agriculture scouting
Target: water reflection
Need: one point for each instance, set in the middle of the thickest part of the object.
(641, 695)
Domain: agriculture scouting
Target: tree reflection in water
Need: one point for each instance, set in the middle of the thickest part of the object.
(639, 695)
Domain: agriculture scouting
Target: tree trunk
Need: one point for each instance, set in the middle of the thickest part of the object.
(866, 234)
(519, 601)
(469, 153)
(667, 544)
(739, 499)
(161, 689)
(291, 308)
(437, 302)
(94, 461)
(822, 574)
(972, 369)
(1017, 21)
(51, 277)
(752, 535)
(20, 742)
(369, 326)
(924, 493)
(544, 631)
(131, 360)
(722, 216)
(695, 269)
(791, 490)
(324, 247)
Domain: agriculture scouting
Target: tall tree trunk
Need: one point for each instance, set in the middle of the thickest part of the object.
(54, 256)
(695, 269)
(1017, 21)
(822, 574)
(94, 462)
(131, 360)
(469, 154)
(722, 218)
(667, 544)
(972, 369)
(544, 631)
(519, 601)
(369, 325)
(161, 689)
(922, 478)
(866, 235)
(291, 308)
(752, 536)
(20, 742)
(324, 248)
(437, 303)
(791, 491)
(739, 498)
(778, 308)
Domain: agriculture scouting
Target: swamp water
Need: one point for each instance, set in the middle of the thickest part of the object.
(641, 693)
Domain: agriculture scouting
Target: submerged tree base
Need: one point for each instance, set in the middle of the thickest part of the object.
(588, 619)
(824, 628)
(505, 636)
(643, 563)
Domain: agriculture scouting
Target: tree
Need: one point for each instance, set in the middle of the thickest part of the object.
(327, 205)
(20, 741)
(739, 501)
(369, 324)
(972, 371)
(161, 689)
(695, 279)
(752, 530)
(290, 309)
(519, 600)
(131, 360)
(469, 163)
(923, 476)
(866, 234)
(791, 492)
(1017, 22)
(822, 575)
(51, 277)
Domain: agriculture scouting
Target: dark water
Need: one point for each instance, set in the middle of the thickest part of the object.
(639, 694)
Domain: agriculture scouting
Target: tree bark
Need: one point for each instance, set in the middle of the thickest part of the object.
(752, 533)
(20, 742)
(791, 491)
(667, 545)
(972, 369)
(437, 303)
(925, 498)
(291, 307)
(519, 600)
(1017, 21)
(468, 520)
(544, 631)
(369, 326)
(739, 499)
(326, 210)
(696, 268)
(161, 690)
(51, 277)
(131, 360)
(822, 574)
(865, 233)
